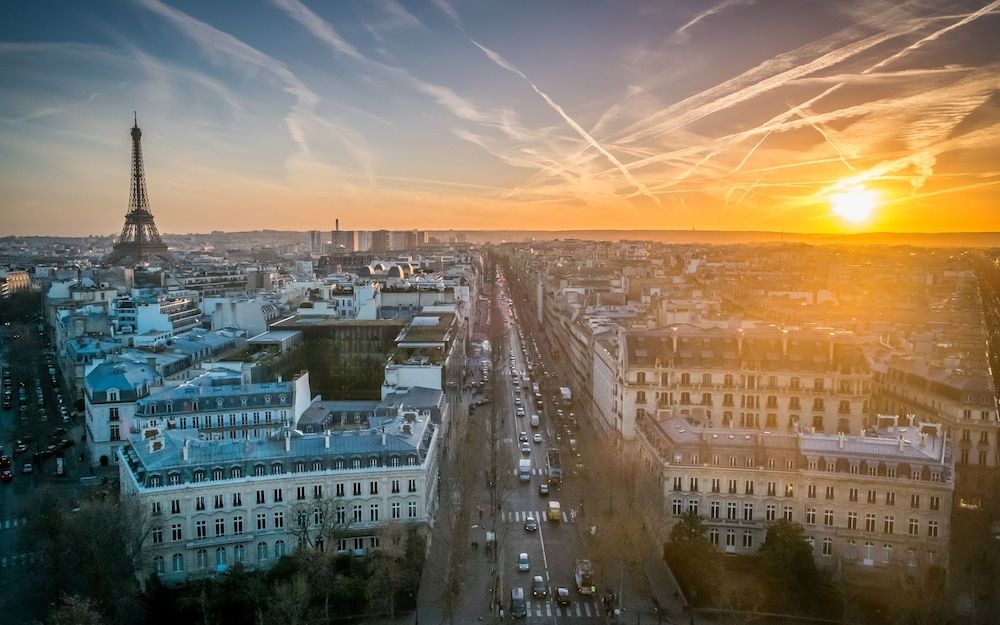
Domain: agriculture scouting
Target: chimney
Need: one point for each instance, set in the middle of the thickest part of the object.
(288, 441)
(337, 222)
(840, 440)
(923, 439)
(784, 342)
(383, 437)
(184, 450)
(831, 349)
(739, 341)
(900, 442)
(326, 439)
(673, 338)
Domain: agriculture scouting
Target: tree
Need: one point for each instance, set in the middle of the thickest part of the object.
(75, 611)
(787, 561)
(695, 562)
(321, 523)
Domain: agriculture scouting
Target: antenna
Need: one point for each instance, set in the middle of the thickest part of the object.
(135, 116)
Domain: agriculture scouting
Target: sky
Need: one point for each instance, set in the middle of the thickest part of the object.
(847, 116)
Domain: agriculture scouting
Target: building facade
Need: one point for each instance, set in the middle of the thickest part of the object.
(868, 502)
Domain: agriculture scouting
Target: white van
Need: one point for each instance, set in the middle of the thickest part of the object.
(535, 421)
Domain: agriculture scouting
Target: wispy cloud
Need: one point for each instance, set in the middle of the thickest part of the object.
(681, 33)
(499, 60)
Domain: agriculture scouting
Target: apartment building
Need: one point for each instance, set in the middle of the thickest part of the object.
(215, 503)
(877, 500)
(760, 378)
(110, 393)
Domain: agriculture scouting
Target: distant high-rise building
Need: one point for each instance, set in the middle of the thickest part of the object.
(412, 239)
(315, 241)
(139, 241)
(381, 241)
(343, 240)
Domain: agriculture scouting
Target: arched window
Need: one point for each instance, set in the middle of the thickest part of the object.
(174, 478)
(220, 556)
(276, 468)
(158, 566)
(236, 472)
(218, 473)
(279, 548)
(202, 559)
(261, 552)
(394, 461)
(199, 475)
(340, 463)
(178, 563)
(154, 481)
(259, 469)
(238, 554)
(317, 465)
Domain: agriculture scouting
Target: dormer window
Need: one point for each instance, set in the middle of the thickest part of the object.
(169, 407)
(267, 399)
(218, 402)
(281, 398)
(152, 408)
(113, 395)
(243, 401)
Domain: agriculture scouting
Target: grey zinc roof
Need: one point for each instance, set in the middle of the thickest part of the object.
(120, 375)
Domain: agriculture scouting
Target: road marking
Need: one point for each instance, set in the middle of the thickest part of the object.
(586, 608)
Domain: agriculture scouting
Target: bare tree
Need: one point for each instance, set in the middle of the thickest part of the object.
(320, 523)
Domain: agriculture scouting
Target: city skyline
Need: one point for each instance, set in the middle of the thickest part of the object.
(439, 115)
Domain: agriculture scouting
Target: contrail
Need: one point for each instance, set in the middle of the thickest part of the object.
(502, 62)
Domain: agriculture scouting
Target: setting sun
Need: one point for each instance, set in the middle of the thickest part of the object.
(854, 204)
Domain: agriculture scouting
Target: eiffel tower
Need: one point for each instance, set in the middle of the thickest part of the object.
(139, 240)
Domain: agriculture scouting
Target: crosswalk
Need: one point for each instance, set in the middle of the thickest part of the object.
(518, 516)
(19, 559)
(549, 608)
(534, 470)
(8, 524)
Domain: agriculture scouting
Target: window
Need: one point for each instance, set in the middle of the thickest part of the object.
(261, 552)
(237, 524)
(220, 527)
(279, 548)
(692, 506)
(852, 520)
(276, 468)
(810, 516)
(237, 500)
(829, 492)
(888, 523)
(178, 562)
(748, 512)
(340, 488)
(372, 488)
(887, 552)
(714, 507)
(890, 498)
(730, 538)
(869, 522)
(158, 566)
(373, 512)
(411, 509)
(356, 513)
(789, 490)
(199, 476)
(202, 559)
(732, 486)
(932, 529)
(157, 535)
(356, 489)
(677, 507)
(219, 502)
(199, 529)
(238, 553)
(411, 486)
(770, 512)
(852, 495)
(811, 491)
(317, 516)
(747, 539)
(341, 514)
(218, 474)
(175, 532)
(394, 510)
(260, 497)
(300, 493)
(935, 503)
(748, 487)
(716, 484)
(828, 546)
(731, 510)
(872, 496)
(279, 495)
(913, 528)
(828, 517)
(772, 488)
(713, 536)
(640, 397)
(175, 506)
(279, 520)
(787, 513)
(693, 485)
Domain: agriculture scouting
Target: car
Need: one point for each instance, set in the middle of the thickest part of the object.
(4, 462)
(538, 588)
(58, 433)
(525, 449)
(543, 490)
(523, 437)
(520, 412)
(27, 468)
(531, 524)
(66, 443)
(537, 438)
(562, 596)
(6, 476)
(523, 563)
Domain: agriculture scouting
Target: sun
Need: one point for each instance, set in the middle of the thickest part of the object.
(855, 203)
